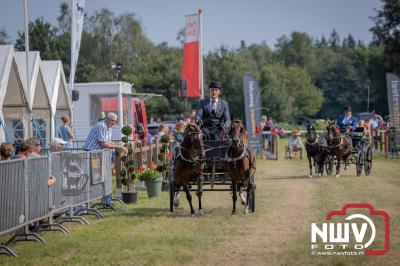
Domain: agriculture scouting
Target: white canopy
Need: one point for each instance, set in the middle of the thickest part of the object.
(38, 100)
(14, 112)
(57, 90)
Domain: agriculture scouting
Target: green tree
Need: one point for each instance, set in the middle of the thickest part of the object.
(387, 32)
(290, 92)
(4, 36)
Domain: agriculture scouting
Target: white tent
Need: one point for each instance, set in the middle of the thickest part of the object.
(57, 91)
(38, 100)
(14, 111)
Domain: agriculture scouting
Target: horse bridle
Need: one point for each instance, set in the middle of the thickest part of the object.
(229, 158)
(198, 157)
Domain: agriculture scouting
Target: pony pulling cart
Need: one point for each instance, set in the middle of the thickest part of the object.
(213, 165)
(351, 146)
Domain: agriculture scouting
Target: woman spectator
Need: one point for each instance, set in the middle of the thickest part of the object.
(36, 146)
(179, 129)
(162, 130)
(25, 149)
(66, 132)
(6, 151)
(367, 129)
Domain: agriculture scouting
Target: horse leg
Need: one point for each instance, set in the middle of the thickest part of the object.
(189, 198)
(248, 190)
(241, 194)
(176, 196)
(199, 192)
(309, 163)
(338, 159)
(234, 196)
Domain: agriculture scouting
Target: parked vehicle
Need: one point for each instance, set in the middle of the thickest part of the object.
(97, 99)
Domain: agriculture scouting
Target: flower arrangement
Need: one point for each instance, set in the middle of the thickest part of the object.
(127, 173)
(149, 175)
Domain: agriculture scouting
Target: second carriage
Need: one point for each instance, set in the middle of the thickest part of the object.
(361, 155)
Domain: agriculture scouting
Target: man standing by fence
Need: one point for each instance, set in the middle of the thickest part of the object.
(100, 138)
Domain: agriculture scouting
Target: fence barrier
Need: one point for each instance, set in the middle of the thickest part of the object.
(26, 199)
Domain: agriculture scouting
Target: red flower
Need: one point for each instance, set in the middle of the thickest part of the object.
(170, 155)
(152, 166)
(140, 169)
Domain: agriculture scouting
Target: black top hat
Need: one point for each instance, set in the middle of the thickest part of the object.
(215, 84)
(347, 109)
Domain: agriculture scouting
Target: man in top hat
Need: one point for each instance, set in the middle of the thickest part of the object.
(213, 112)
(347, 121)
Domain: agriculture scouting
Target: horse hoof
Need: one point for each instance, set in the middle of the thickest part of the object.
(176, 201)
(242, 199)
(192, 215)
(310, 176)
(337, 175)
(233, 212)
(320, 175)
(246, 210)
(200, 213)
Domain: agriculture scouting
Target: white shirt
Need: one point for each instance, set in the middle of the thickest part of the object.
(216, 103)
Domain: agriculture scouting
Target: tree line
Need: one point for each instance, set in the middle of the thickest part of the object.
(301, 76)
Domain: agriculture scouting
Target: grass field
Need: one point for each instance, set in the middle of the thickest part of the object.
(287, 202)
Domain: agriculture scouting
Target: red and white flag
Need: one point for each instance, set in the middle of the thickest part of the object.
(191, 66)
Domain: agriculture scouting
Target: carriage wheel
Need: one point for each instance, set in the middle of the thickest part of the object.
(171, 196)
(368, 161)
(359, 162)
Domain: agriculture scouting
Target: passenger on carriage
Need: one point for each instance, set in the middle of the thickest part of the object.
(213, 114)
(347, 121)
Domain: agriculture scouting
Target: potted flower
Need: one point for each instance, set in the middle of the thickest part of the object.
(127, 173)
(153, 181)
(163, 168)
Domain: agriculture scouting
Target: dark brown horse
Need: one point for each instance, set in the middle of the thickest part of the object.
(316, 148)
(340, 146)
(188, 165)
(241, 165)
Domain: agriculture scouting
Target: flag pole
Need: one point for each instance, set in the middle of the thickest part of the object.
(28, 80)
(201, 54)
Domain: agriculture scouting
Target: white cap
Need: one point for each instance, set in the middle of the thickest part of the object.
(57, 141)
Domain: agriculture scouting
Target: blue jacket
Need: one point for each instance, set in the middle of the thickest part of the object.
(350, 121)
(204, 111)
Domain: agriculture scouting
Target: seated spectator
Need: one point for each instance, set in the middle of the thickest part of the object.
(36, 146)
(376, 122)
(6, 151)
(294, 144)
(57, 144)
(25, 149)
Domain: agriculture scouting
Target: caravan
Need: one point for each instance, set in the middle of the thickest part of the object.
(96, 99)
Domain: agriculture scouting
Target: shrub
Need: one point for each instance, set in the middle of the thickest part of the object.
(149, 175)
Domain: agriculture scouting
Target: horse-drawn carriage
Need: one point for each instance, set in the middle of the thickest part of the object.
(212, 161)
(360, 154)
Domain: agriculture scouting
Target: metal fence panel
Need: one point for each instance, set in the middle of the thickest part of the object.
(59, 201)
(76, 165)
(107, 171)
(12, 195)
(96, 174)
(38, 192)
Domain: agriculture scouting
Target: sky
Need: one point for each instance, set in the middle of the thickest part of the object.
(225, 22)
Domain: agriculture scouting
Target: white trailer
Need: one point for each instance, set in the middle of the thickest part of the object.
(87, 110)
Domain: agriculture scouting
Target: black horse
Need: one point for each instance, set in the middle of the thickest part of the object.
(340, 145)
(316, 148)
